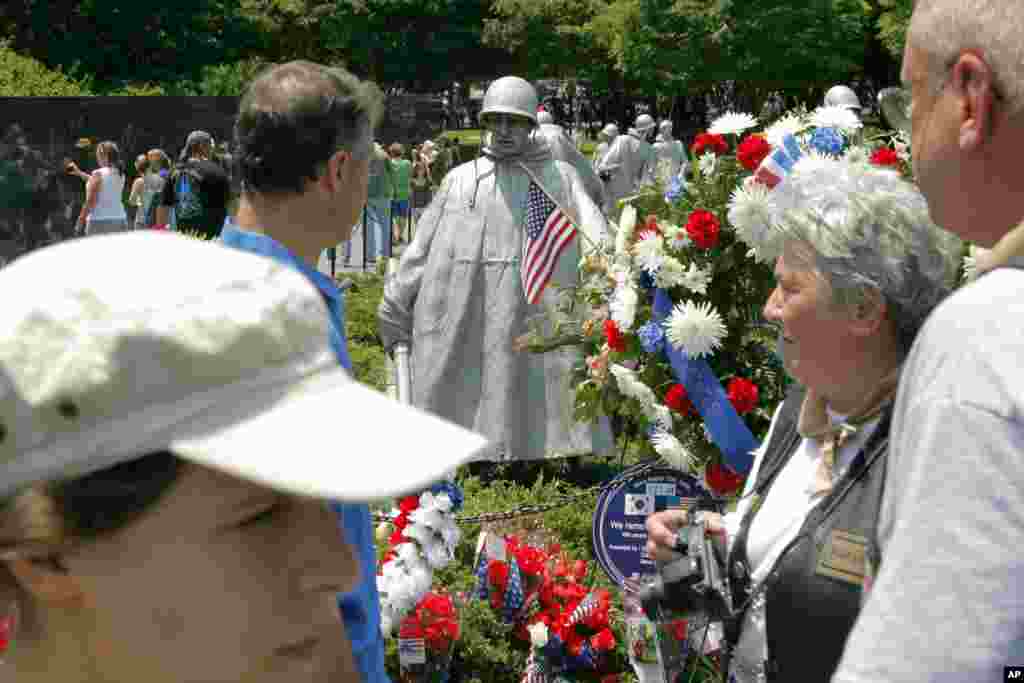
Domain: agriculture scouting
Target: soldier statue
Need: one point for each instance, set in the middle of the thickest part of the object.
(605, 138)
(628, 164)
(670, 154)
(563, 149)
(459, 294)
(843, 96)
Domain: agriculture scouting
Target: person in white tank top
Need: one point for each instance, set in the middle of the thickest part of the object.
(103, 210)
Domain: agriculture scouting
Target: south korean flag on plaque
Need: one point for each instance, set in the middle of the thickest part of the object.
(639, 504)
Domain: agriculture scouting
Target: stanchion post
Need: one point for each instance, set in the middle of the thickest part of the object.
(365, 233)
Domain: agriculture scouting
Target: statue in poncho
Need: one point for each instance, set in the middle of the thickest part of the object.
(628, 164)
(605, 138)
(671, 157)
(502, 234)
(563, 149)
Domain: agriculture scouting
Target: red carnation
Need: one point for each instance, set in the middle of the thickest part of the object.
(401, 521)
(579, 570)
(742, 395)
(703, 227)
(709, 142)
(722, 479)
(616, 341)
(603, 641)
(885, 156)
(679, 629)
(652, 224)
(678, 400)
(752, 151)
(497, 574)
(409, 503)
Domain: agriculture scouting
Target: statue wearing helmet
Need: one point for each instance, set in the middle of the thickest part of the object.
(628, 164)
(458, 299)
(670, 155)
(605, 138)
(842, 96)
(564, 149)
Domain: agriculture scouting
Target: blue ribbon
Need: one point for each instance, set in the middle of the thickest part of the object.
(726, 428)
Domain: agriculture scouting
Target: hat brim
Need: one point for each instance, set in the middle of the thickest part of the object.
(329, 437)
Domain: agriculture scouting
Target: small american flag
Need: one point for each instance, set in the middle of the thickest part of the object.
(548, 231)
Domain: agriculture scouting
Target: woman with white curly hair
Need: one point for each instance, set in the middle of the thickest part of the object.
(858, 265)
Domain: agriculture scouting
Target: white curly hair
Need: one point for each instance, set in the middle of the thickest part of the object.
(865, 228)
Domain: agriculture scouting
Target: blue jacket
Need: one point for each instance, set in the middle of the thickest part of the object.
(360, 609)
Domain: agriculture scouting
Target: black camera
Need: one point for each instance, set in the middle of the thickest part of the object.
(693, 582)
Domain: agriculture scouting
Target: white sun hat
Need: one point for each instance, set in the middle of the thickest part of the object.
(116, 346)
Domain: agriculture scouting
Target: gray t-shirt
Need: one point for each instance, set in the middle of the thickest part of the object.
(947, 603)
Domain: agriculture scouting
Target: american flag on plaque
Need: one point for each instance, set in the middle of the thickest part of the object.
(548, 232)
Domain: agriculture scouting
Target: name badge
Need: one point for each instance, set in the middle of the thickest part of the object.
(843, 557)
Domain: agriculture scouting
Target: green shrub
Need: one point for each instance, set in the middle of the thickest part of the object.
(22, 76)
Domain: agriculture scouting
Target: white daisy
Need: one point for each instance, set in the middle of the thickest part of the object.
(696, 280)
(623, 306)
(750, 214)
(707, 164)
(668, 447)
(790, 124)
(695, 329)
(840, 118)
(731, 123)
(671, 274)
(649, 252)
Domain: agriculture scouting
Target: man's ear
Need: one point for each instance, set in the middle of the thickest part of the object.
(46, 580)
(973, 82)
(869, 314)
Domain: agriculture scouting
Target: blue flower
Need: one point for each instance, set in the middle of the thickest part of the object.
(652, 337)
(453, 491)
(676, 188)
(828, 141)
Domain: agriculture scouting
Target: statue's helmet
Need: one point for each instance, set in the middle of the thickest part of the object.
(842, 96)
(510, 95)
(544, 116)
(610, 131)
(644, 123)
(665, 126)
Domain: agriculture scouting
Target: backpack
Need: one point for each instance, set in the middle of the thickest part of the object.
(188, 206)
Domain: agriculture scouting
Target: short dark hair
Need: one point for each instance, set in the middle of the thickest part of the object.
(294, 117)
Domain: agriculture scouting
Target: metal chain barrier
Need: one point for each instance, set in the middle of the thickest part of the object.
(537, 508)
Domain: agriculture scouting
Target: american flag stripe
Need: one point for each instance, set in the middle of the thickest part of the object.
(548, 231)
(561, 235)
(777, 165)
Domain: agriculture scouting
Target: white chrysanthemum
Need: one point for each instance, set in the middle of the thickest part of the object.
(661, 416)
(707, 164)
(790, 124)
(631, 387)
(732, 123)
(840, 118)
(627, 224)
(696, 279)
(971, 262)
(450, 532)
(623, 306)
(671, 274)
(443, 502)
(695, 329)
(438, 555)
(420, 533)
(407, 553)
(857, 155)
(751, 214)
(649, 252)
(429, 517)
(667, 446)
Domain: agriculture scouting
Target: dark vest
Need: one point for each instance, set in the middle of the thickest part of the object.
(812, 599)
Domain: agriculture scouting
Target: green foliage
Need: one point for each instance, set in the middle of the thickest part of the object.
(228, 80)
(893, 21)
(22, 76)
(364, 345)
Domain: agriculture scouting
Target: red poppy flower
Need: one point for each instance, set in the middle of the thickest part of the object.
(614, 337)
(603, 641)
(885, 156)
(678, 400)
(742, 395)
(722, 479)
(709, 142)
(703, 228)
(752, 151)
